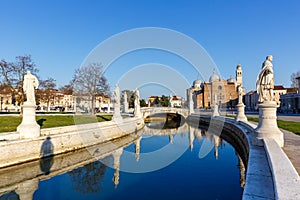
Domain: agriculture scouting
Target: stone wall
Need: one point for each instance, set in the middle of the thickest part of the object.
(64, 139)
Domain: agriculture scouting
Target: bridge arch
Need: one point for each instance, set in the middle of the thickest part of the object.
(147, 111)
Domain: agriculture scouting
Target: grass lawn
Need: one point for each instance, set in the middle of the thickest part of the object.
(287, 125)
(10, 123)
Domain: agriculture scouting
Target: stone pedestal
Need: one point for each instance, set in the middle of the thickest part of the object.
(125, 108)
(190, 101)
(216, 111)
(267, 127)
(117, 115)
(240, 113)
(28, 128)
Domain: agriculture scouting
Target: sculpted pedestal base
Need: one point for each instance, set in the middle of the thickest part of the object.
(125, 108)
(28, 128)
(117, 115)
(216, 111)
(267, 127)
(240, 113)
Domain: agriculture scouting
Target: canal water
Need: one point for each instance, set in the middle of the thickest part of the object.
(155, 164)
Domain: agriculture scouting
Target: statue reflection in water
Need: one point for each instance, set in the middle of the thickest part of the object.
(46, 155)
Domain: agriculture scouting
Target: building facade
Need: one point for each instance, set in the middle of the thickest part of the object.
(290, 102)
(284, 97)
(52, 101)
(175, 101)
(217, 91)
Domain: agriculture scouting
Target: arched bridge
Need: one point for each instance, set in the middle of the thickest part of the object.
(156, 110)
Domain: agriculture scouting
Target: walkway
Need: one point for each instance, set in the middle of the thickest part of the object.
(291, 141)
(292, 148)
(293, 118)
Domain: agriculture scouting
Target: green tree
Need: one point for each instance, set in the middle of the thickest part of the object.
(143, 103)
(164, 101)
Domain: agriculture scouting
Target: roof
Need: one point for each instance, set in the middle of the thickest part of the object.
(279, 87)
(291, 90)
(214, 76)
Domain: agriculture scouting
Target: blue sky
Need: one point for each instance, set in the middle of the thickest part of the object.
(60, 35)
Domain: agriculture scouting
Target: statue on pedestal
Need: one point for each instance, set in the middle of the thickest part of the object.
(137, 109)
(30, 83)
(117, 115)
(265, 81)
(267, 126)
(240, 93)
(190, 101)
(28, 127)
(216, 107)
(240, 106)
(125, 103)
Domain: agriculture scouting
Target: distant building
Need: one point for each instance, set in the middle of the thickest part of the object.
(55, 100)
(251, 101)
(175, 102)
(251, 98)
(290, 102)
(152, 100)
(225, 92)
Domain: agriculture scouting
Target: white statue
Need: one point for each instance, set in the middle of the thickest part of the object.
(125, 103)
(117, 95)
(125, 98)
(30, 83)
(137, 98)
(265, 81)
(215, 99)
(240, 93)
(137, 111)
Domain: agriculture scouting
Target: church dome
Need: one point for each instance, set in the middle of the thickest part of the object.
(231, 80)
(197, 83)
(214, 77)
(239, 66)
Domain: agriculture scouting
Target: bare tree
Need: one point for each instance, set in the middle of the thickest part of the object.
(13, 74)
(88, 82)
(294, 82)
(46, 91)
(67, 89)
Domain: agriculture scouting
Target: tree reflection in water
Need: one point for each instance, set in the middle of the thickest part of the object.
(87, 179)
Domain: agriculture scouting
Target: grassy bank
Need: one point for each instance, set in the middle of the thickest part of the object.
(286, 125)
(10, 123)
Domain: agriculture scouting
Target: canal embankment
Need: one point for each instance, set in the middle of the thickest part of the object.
(270, 174)
(54, 141)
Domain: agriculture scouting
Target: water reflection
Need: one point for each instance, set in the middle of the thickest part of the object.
(87, 179)
(88, 171)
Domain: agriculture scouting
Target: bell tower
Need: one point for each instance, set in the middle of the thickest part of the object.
(239, 75)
